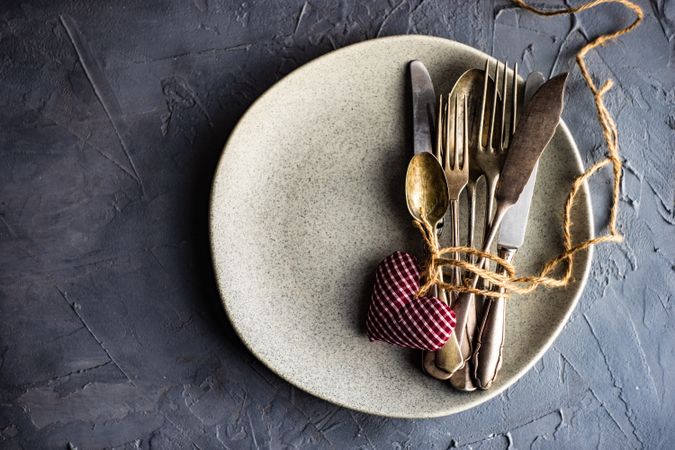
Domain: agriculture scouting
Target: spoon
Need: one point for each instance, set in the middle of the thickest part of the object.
(426, 192)
(426, 189)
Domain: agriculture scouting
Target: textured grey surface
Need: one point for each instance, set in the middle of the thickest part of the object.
(111, 333)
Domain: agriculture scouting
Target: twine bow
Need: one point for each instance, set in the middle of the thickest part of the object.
(523, 285)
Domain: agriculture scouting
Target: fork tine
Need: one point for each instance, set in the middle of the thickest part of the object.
(495, 92)
(481, 144)
(514, 107)
(439, 130)
(502, 126)
(457, 147)
(465, 154)
(446, 114)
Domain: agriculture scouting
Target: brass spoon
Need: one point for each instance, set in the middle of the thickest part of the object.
(426, 189)
(426, 192)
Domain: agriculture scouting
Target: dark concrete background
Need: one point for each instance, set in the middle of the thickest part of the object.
(112, 118)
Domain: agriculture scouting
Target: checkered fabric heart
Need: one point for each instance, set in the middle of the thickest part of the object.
(395, 316)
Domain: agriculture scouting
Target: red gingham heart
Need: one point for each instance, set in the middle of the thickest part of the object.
(397, 317)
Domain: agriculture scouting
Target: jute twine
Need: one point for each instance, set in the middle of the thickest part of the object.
(525, 284)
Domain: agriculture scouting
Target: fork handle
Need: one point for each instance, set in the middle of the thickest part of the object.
(442, 363)
(455, 275)
(487, 357)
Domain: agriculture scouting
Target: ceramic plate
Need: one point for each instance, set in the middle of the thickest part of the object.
(309, 197)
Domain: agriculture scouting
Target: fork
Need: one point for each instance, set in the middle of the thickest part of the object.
(456, 174)
(463, 379)
(489, 157)
(453, 140)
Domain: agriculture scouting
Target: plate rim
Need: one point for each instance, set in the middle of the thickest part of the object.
(583, 280)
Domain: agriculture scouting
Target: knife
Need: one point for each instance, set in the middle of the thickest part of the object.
(533, 133)
(487, 358)
(424, 102)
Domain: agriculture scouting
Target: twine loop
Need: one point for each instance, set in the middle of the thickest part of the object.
(509, 282)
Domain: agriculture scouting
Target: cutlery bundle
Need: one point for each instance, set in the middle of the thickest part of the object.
(475, 132)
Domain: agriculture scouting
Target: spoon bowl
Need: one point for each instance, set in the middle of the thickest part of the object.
(426, 189)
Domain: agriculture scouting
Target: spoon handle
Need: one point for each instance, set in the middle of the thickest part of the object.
(442, 363)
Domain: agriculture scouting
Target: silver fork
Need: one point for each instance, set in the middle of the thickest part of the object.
(490, 157)
(453, 142)
(456, 174)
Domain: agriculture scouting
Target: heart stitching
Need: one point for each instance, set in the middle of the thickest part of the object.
(395, 316)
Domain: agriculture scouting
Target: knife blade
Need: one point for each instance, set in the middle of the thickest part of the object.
(488, 355)
(512, 230)
(424, 101)
(533, 133)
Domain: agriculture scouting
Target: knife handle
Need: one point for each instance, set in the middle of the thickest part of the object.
(487, 357)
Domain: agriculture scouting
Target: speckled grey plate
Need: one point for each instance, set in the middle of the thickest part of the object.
(308, 198)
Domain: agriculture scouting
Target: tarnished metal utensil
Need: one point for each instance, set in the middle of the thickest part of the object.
(452, 147)
(533, 133)
(447, 358)
(484, 115)
(487, 356)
